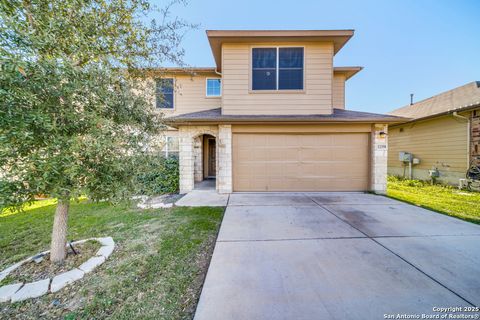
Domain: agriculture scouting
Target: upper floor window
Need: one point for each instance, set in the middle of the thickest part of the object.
(278, 68)
(164, 93)
(214, 87)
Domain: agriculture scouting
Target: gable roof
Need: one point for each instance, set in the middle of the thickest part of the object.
(217, 37)
(338, 115)
(457, 99)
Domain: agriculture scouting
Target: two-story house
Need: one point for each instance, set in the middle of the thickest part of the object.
(271, 116)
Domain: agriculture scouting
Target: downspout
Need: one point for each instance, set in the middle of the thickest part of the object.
(456, 115)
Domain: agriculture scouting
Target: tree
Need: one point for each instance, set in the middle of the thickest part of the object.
(75, 112)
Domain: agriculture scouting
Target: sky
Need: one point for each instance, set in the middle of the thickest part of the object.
(422, 47)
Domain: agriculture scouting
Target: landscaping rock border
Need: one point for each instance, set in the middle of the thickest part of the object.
(157, 202)
(20, 291)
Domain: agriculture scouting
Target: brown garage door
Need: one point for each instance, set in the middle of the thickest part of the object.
(300, 162)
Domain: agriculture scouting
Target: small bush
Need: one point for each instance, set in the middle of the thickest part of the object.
(158, 175)
(407, 182)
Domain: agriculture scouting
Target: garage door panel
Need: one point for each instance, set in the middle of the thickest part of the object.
(300, 162)
(309, 169)
(256, 169)
(290, 169)
(350, 169)
(259, 154)
(275, 141)
(243, 170)
(243, 156)
(274, 170)
(351, 157)
(341, 183)
(315, 154)
(316, 140)
(346, 139)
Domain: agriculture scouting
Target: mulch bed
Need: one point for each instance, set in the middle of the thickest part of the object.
(33, 271)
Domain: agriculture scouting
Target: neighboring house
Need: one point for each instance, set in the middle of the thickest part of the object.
(271, 116)
(444, 135)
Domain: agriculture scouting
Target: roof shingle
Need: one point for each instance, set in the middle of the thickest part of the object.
(459, 98)
(338, 115)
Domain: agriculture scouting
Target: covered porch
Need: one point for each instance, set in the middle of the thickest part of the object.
(205, 158)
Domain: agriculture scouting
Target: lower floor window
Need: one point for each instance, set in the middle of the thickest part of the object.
(170, 147)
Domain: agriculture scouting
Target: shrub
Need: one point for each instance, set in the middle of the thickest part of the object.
(407, 182)
(157, 175)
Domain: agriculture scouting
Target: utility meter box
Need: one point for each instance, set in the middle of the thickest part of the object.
(405, 156)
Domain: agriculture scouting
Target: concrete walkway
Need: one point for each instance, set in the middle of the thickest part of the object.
(337, 256)
(202, 198)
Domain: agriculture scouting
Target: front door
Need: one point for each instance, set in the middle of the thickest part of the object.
(212, 158)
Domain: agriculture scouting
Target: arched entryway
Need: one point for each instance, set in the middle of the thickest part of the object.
(191, 156)
(205, 162)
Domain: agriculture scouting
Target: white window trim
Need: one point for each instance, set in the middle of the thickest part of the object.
(166, 149)
(174, 93)
(206, 87)
(276, 69)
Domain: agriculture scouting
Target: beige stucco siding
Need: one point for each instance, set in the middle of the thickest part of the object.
(190, 94)
(441, 142)
(338, 91)
(316, 98)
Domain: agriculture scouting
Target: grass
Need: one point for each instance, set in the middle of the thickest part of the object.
(444, 199)
(155, 272)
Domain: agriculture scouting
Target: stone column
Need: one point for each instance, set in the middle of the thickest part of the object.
(224, 165)
(379, 154)
(186, 160)
(198, 158)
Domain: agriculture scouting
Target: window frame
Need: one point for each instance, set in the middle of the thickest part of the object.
(277, 69)
(166, 150)
(173, 93)
(206, 87)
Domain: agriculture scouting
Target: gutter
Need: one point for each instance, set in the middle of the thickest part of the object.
(176, 123)
(445, 113)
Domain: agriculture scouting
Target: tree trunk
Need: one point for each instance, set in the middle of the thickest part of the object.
(58, 250)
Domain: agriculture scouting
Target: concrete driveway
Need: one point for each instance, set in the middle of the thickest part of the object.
(337, 256)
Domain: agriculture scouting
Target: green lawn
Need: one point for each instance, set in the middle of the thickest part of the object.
(155, 272)
(444, 199)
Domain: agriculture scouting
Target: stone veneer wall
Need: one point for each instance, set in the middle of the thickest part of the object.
(224, 156)
(186, 136)
(198, 158)
(191, 167)
(378, 160)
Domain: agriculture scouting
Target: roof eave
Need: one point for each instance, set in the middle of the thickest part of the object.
(186, 70)
(178, 122)
(347, 71)
(442, 114)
